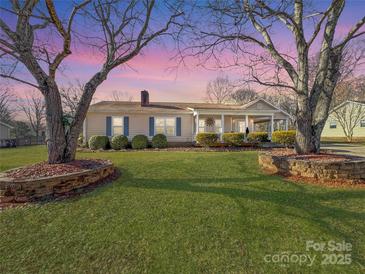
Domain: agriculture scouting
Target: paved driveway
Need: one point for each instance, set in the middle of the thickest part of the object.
(343, 148)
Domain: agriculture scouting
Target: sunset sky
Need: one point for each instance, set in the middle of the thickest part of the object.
(154, 71)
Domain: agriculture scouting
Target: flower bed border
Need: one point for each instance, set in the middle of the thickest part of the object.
(29, 190)
(349, 170)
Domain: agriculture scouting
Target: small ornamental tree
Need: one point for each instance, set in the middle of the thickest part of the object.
(349, 115)
(118, 30)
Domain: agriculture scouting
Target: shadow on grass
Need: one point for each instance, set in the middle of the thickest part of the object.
(307, 204)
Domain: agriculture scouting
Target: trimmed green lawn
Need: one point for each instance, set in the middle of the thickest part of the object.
(180, 212)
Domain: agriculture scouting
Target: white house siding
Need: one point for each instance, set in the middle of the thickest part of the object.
(138, 124)
(280, 115)
(338, 131)
(359, 132)
(260, 106)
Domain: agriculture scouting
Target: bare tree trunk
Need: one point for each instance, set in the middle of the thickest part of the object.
(309, 126)
(303, 142)
(80, 114)
(55, 132)
(308, 137)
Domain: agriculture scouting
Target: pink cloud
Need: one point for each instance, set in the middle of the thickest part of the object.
(85, 58)
(137, 76)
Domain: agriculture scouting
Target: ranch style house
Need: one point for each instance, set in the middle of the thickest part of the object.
(180, 122)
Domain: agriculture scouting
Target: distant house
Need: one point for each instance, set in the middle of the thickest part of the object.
(180, 122)
(5, 131)
(349, 114)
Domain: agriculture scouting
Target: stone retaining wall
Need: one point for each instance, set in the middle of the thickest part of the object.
(353, 169)
(24, 190)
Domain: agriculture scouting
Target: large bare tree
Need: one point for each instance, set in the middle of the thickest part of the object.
(33, 108)
(352, 89)
(6, 102)
(244, 95)
(71, 95)
(118, 31)
(247, 29)
(219, 90)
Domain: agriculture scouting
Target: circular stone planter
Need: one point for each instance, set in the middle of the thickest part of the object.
(350, 168)
(27, 190)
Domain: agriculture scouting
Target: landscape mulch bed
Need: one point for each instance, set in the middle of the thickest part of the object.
(44, 169)
(186, 149)
(324, 156)
(321, 157)
(62, 196)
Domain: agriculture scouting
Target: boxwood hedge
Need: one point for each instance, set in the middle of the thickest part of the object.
(159, 141)
(140, 142)
(98, 142)
(207, 139)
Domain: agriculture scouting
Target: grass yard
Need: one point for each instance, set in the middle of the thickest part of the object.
(181, 212)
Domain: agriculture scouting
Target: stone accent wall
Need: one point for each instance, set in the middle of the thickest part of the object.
(326, 170)
(25, 190)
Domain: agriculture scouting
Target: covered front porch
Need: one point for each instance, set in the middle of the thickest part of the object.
(258, 115)
(223, 123)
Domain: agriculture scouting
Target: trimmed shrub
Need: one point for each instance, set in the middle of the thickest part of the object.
(118, 142)
(98, 142)
(207, 139)
(159, 141)
(139, 142)
(258, 136)
(234, 139)
(286, 138)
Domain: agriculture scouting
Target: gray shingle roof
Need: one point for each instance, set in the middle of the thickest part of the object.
(170, 107)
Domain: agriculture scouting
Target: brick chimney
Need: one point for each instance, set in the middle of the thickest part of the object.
(145, 98)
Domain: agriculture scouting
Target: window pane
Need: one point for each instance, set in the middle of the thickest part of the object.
(160, 129)
(201, 123)
(362, 123)
(117, 121)
(218, 123)
(170, 122)
(160, 122)
(170, 131)
(117, 130)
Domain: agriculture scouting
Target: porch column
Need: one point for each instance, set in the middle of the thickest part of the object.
(246, 126)
(197, 124)
(286, 124)
(271, 125)
(222, 125)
